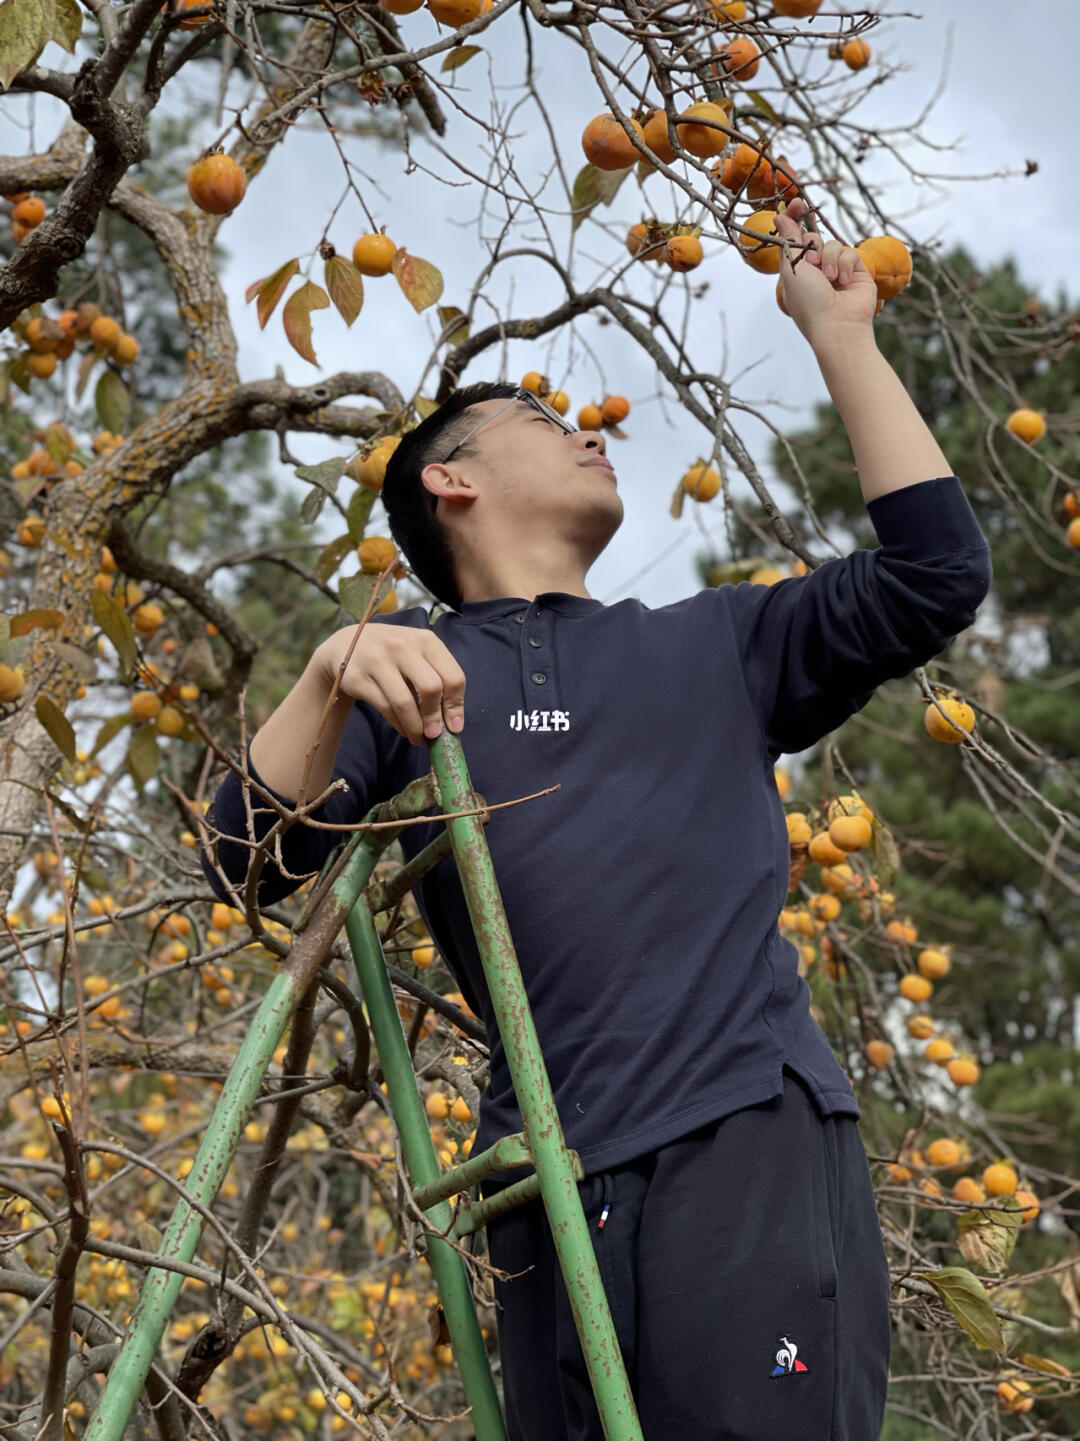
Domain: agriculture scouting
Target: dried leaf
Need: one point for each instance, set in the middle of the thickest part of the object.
(56, 723)
(764, 106)
(297, 317)
(116, 623)
(457, 57)
(270, 290)
(346, 287)
(986, 1238)
(884, 850)
(31, 619)
(421, 282)
(424, 406)
(110, 728)
(455, 331)
(966, 1298)
(332, 555)
(67, 25)
(678, 500)
(143, 755)
(86, 365)
(593, 187)
(25, 26)
(1044, 1363)
(81, 663)
(112, 402)
(356, 516)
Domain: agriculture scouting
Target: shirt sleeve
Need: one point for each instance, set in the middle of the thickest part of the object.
(303, 849)
(814, 648)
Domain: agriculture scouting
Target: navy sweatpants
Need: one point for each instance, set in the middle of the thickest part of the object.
(747, 1279)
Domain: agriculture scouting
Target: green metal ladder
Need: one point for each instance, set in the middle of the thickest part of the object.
(342, 896)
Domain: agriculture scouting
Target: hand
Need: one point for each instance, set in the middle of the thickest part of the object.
(407, 675)
(829, 291)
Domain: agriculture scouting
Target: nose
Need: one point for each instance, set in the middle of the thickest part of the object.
(589, 440)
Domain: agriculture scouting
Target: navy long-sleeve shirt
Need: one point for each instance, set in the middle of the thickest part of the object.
(643, 896)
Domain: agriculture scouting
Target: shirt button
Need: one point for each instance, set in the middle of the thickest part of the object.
(539, 677)
(535, 642)
(520, 617)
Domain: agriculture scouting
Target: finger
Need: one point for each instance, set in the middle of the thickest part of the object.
(453, 690)
(377, 698)
(402, 711)
(427, 685)
(830, 259)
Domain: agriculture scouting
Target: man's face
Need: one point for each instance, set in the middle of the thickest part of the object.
(521, 468)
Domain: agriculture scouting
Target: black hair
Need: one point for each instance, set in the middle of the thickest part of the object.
(417, 530)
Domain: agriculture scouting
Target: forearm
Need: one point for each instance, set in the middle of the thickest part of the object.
(891, 443)
(280, 747)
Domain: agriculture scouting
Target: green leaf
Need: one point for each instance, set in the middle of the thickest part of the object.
(27, 488)
(110, 728)
(594, 187)
(270, 290)
(455, 331)
(56, 723)
(143, 754)
(966, 1297)
(420, 281)
(884, 850)
(67, 25)
(24, 30)
(355, 592)
(297, 317)
(425, 406)
(346, 287)
(457, 57)
(356, 517)
(312, 506)
(30, 620)
(325, 474)
(58, 443)
(332, 555)
(986, 1238)
(116, 623)
(764, 106)
(19, 369)
(112, 402)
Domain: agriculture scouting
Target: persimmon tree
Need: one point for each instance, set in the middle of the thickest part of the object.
(145, 581)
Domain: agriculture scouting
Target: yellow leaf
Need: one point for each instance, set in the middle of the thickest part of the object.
(297, 317)
(30, 619)
(421, 282)
(270, 290)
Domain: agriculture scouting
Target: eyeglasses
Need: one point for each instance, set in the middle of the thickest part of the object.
(540, 406)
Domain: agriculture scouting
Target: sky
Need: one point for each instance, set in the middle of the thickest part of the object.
(957, 73)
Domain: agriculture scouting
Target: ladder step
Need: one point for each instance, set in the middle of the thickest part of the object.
(472, 1215)
(508, 1151)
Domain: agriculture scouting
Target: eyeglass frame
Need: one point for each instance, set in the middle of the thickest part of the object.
(532, 400)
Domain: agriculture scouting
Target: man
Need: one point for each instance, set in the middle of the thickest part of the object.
(726, 1186)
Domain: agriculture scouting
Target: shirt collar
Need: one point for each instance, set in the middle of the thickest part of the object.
(478, 612)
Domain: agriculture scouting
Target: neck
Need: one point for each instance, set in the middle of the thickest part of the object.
(501, 573)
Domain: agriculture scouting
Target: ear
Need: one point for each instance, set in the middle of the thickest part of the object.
(454, 488)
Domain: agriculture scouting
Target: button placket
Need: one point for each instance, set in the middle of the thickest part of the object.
(538, 670)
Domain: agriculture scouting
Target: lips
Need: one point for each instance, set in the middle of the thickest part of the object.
(599, 464)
